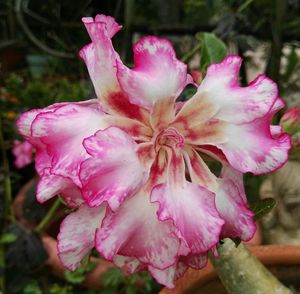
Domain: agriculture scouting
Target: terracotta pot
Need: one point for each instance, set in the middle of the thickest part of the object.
(282, 260)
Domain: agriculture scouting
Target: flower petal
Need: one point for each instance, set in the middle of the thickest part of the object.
(114, 172)
(197, 110)
(129, 264)
(237, 104)
(162, 114)
(169, 275)
(157, 73)
(100, 56)
(196, 122)
(250, 147)
(199, 172)
(213, 152)
(51, 185)
(77, 234)
(63, 131)
(134, 231)
(231, 205)
(194, 215)
(100, 59)
(23, 152)
(136, 129)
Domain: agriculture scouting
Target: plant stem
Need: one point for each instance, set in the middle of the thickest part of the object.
(273, 68)
(240, 271)
(8, 211)
(191, 53)
(244, 5)
(45, 221)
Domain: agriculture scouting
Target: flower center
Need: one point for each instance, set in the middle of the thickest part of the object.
(170, 138)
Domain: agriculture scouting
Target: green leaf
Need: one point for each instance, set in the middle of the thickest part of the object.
(212, 50)
(32, 288)
(78, 276)
(61, 289)
(112, 278)
(7, 238)
(263, 207)
(130, 289)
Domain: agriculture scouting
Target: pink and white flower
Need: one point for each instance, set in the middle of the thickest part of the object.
(290, 121)
(132, 161)
(23, 152)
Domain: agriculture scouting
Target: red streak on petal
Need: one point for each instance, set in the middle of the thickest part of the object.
(119, 102)
(213, 152)
(158, 170)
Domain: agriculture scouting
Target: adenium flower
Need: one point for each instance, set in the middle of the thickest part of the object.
(290, 121)
(197, 76)
(131, 161)
(23, 152)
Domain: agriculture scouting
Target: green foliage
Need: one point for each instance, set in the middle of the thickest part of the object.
(213, 49)
(262, 207)
(42, 92)
(7, 238)
(112, 278)
(32, 288)
(78, 276)
(61, 289)
(114, 281)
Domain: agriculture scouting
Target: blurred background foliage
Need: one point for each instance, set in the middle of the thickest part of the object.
(39, 65)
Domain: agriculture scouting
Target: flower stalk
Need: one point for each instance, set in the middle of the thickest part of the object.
(8, 212)
(240, 271)
(49, 216)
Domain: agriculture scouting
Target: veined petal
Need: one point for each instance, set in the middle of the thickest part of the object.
(24, 123)
(136, 129)
(197, 110)
(236, 177)
(100, 56)
(129, 264)
(77, 234)
(101, 59)
(250, 147)
(197, 261)
(276, 131)
(157, 73)
(51, 185)
(237, 104)
(111, 25)
(169, 275)
(114, 171)
(158, 171)
(231, 205)
(162, 114)
(190, 206)
(210, 132)
(199, 172)
(193, 211)
(63, 131)
(213, 152)
(134, 231)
